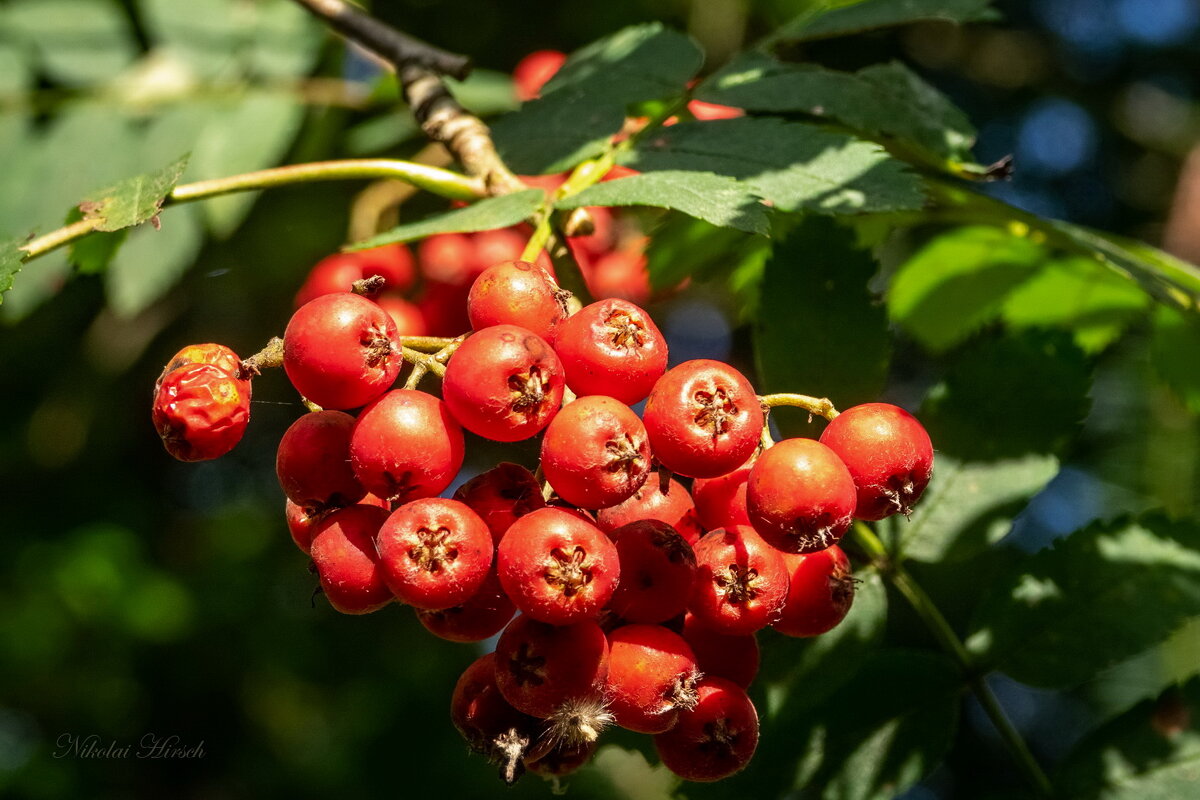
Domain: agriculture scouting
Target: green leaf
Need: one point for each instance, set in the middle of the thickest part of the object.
(1007, 396)
(793, 165)
(11, 261)
(1095, 598)
(93, 253)
(1150, 753)
(827, 23)
(78, 42)
(818, 330)
(1174, 351)
(968, 506)
(151, 262)
(958, 282)
(134, 200)
(253, 133)
(584, 104)
(1079, 295)
(882, 102)
(681, 247)
(715, 199)
(484, 215)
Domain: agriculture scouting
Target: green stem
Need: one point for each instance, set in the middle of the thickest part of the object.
(434, 179)
(820, 406)
(933, 618)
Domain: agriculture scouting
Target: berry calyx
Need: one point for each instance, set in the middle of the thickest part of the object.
(540, 667)
(800, 496)
(820, 592)
(889, 456)
(652, 675)
(435, 553)
(517, 293)
(612, 348)
(488, 723)
(715, 739)
(596, 452)
(741, 582)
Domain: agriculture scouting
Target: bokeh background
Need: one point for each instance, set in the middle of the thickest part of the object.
(140, 595)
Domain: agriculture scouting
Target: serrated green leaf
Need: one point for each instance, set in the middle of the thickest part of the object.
(134, 200)
(682, 247)
(818, 330)
(253, 133)
(1173, 662)
(1079, 295)
(1174, 353)
(716, 199)
(793, 165)
(11, 261)
(78, 42)
(827, 23)
(484, 215)
(958, 282)
(152, 260)
(884, 102)
(1095, 598)
(1150, 753)
(1008, 396)
(969, 505)
(584, 104)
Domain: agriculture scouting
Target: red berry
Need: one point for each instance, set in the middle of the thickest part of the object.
(489, 724)
(715, 739)
(343, 550)
(612, 348)
(539, 667)
(209, 353)
(657, 571)
(621, 274)
(407, 315)
(406, 446)
(652, 674)
(392, 262)
(313, 462)
(435, 552)
(504, 383)
(331, 275)
(820, 592)
(733, 657)
(532, 72)
(444, 307)
(339, 351)
(673, 507)
(889, 456)
(447, 257)
(517, 293)
(200, 411)
(595, 452)
(559, 759)
(741, 582)
(800, 496)
(721, 501)
(603, 236)
(704, 419)
(479, 617)
(557, 567)
(501, 496)
(495, 246)
(302, 525)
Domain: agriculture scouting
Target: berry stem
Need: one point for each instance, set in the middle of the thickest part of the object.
(423, 362)
(269, 357)
(818, 406)
(938, 625)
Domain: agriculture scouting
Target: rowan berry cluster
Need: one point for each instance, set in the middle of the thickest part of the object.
(627, 579)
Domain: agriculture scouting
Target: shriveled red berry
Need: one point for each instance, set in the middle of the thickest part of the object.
(674, 507)
(889, 456)
(531, 72)
(435, 552)
(405, 446)
(721, 501)
(557, 567)
(200, 411)
(313, 462)
(741, 581)
(703, 418)
(502, 495)
(479, 617)
(339, 351)
(595, 452)
(657, 571)
(613, 348)
(504, 383)
(800, 496)
(517, 293)
(733, 657)
(820, 592)
(715, 739)
(539, 666)
(652, 675)
(343, 550)
(488, 723)
(208, 353)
